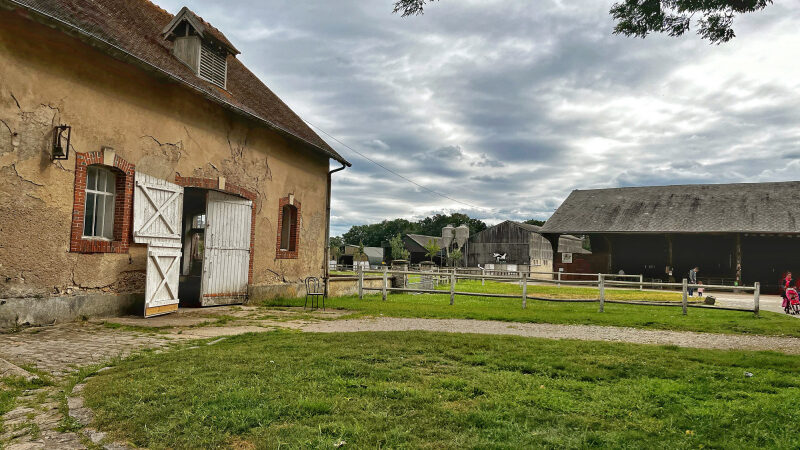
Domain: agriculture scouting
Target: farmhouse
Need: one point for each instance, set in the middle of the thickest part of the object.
(736, 233)
(143, 166)
(517, 246)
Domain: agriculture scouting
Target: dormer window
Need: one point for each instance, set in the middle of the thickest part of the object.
(200, 46)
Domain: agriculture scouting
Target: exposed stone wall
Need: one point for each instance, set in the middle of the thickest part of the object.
(48, 78)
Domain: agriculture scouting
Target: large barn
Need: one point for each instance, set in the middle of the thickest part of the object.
(736, 233)
(517, 246)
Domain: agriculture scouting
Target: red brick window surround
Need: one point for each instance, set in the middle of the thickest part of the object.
(288, 242)
(123, 205)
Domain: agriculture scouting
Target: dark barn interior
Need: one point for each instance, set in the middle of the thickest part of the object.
(763, 258)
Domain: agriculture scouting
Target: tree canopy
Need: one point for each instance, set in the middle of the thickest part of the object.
(713, 18)
(373, 235)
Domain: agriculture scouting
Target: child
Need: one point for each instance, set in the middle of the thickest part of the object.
(700, 289)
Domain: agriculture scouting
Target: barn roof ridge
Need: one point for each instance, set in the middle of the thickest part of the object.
(769, 207)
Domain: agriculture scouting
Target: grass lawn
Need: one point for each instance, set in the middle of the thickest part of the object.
(564, 292)
(434, 390)
(509, 309)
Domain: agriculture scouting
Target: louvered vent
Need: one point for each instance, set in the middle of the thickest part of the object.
(213, 66)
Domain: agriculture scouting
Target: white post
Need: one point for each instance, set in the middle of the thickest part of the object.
(385, 281)
(641, 282)
(685, 298)
(483, 274)
(524, 291)
(360, 283)
(453, 288)
(601, 284)
(559, 280)
(756, 297)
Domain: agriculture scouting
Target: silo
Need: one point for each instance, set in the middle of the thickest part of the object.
(462, 235)
(448, 233)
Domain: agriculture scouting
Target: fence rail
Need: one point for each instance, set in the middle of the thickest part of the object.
(451, 276)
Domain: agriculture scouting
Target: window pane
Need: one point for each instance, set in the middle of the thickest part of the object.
(91, 178)
(88, 216)
(108, 221)
(99, 215)
(111, 185)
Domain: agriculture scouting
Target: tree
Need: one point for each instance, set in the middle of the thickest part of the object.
(455, 257)
(536, 222)
(432, 226)
(398, 248)
(432, 249)
(639, 18)
(714, 22)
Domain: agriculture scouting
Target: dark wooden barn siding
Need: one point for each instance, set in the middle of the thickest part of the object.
(506, 238)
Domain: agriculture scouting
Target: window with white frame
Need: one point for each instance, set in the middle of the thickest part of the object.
(98, 218)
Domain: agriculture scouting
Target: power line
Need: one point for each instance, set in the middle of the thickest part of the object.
(393, 172)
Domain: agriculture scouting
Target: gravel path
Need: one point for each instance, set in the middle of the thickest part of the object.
(582, 332)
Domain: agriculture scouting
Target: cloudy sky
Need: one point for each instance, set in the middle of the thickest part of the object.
(508, 105)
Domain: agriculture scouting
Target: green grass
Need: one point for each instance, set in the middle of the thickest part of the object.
(13, 387)
(564, 292)
(436, 306)
(435, 390)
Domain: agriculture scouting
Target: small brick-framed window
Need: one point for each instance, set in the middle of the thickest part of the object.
(102, 204)
(288, 242)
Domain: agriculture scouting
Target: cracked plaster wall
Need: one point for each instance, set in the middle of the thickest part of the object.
(48, 78)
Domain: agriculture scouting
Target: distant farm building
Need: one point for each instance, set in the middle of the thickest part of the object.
(736, 233)
(374, 255)
(415, 244)
(517, 246)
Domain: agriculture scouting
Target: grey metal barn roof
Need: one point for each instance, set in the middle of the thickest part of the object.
(702, 208)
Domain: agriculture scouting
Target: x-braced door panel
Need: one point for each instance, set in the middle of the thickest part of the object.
(157, 214)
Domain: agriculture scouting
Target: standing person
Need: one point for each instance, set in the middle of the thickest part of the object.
(693, 279)
(786, 283)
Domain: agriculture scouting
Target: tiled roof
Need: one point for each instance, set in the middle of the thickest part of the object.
(702, 208)
(133, 29)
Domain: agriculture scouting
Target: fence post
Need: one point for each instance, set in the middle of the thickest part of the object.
(601, 284)
(756, 297)
(360, 283)
(641, 282)
(385, 281)
(559, 280)
(453, 288)
(524, 291)
(483, 274)
(685, 298)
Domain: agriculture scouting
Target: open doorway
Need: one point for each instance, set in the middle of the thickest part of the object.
(193, 243)
(216, 248)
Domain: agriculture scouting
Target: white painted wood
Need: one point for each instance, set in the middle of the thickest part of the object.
(163, 271)
(157, 217)
(157, 212)
(226, 260)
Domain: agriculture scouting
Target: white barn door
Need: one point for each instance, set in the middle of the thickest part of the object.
(157, 220)
(226, 260)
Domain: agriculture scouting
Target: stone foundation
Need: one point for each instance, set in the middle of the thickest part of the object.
(45, 311)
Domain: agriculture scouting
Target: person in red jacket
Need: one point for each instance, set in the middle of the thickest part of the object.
(786, 283)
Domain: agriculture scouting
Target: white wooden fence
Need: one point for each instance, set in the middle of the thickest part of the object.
(600, 280)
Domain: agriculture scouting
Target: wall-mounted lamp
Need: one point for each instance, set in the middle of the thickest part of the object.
(61, 137)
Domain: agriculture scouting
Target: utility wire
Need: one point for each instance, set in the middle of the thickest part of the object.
(393, 172)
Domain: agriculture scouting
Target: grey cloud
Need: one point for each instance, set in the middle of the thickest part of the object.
(510, 105)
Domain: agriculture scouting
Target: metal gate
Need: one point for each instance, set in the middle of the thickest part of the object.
(226, 260)
(157, 213)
